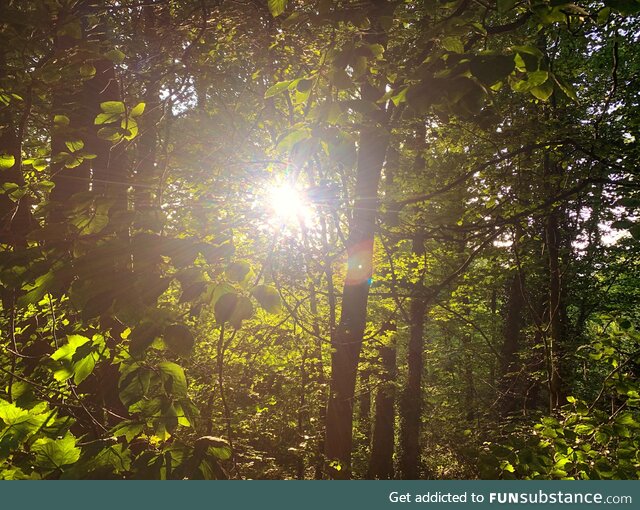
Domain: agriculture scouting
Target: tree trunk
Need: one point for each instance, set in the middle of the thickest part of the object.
(509, 394)
(555, 339)
(411, 404)
(381, 462)
(347, 341)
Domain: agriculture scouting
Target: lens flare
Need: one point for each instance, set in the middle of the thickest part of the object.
(289, 206)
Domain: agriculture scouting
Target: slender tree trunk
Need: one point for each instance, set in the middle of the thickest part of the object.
(381, 462)
(347, 341)
(555, 339)
(411, 403)
(509, 394)
(364, 407)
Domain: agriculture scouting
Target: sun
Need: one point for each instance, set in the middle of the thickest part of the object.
(288, 205)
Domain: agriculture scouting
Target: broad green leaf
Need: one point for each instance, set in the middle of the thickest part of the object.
(107, 118)
(55, 453)
(38, 290)
(268, 297)
(87, 70)
(238, 271)
(115, 55)
(224, 307)
(544, 91)
(179, 338)
(490, 69)
(143, 336)
(6, 161)
(112, 107)
(292, 138)
(242, 311)
(61, 120)
(137, 110)
(174, 379)
(74, 145)
(84, 368)
(69, 349)
(453, 44)
(112, 134)
(129, 128)
(39, 164)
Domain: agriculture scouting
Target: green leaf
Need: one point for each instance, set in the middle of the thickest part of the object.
(544, 91)
(175, 382)
(67, 351)
(7, 161)
(74, 145)
(490, 69)
(142, 337)
(129, 128)
(584, 429)
(277, 7)
(106, 118)
(179, 338)
(83, 368)
(242, 311)
(137, 110)
(268, 297)
(534, 78)
(39, 164)
(628, 420)
(224, 307)
(112, 134)
(238, 271)
(87, 71)
(112, 107)
(61, 120)
(453, 44)
(116, 56)
(567, 88)
(53, 454)
(292, 138)
(276, 89)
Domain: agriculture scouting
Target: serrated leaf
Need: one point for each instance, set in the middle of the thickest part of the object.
(55, 453)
